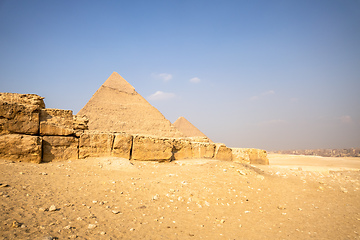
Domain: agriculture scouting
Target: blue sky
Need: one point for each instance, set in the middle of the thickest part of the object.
(280, 74)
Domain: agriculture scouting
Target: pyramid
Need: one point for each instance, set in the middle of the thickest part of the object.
(186, 128)
(117, 107)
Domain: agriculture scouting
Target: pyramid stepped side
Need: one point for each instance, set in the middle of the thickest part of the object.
(188, 129)
(117, 107)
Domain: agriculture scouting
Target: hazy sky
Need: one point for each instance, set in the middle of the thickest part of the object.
(265, 74)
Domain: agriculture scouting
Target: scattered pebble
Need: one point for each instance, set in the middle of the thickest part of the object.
(92, 226)
(52, 208)
(15, 224)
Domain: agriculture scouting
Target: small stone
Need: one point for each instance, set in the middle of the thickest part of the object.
(73, 236)
(52, 208)
(115, 212)
(132, 229)
(79, 219)
(222, 221)
(43, 173)
(67, 227)
(43, 209)
(3, 185)
(92, 226)
(241, 172)
(21, 173)
(102, 233)
(224, 170)
(47, 238)
(94, 201)
(15, 224)
(156, 197)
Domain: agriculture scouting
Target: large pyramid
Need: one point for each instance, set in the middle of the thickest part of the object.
(188, 129)
(117, 107)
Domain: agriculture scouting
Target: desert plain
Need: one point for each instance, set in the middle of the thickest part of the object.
(295, 197)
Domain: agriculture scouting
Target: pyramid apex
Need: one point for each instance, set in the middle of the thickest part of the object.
(117, 82)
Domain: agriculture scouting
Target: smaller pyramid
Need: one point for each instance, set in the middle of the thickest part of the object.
(189, 130)
(117, 107)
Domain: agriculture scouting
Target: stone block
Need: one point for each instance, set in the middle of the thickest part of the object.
(122, 145)
(22, 148)
(59, 148)
(240, 155)
(202, 150)
(56, 122)
(250, 156)
(80, 122)
(19, 113)
(258, 156)
(95, 144)
(146, 148)
(222, 152)
(182, 149)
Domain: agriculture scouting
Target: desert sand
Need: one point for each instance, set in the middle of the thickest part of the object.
(295, 197)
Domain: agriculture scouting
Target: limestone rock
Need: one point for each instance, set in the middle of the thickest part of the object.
(240, 155)
(250, 155)
(148, 148)
(80, 122)
(95, 144)
(182, 149)
(19, 113)
(222, 152)
(202, 150)
(56, 122)
(122, 145)
(60, 148)
(22, 148)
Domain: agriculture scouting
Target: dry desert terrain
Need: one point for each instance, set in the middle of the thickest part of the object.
(295, 197)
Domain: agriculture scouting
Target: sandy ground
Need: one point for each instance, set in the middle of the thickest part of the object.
(296, 197)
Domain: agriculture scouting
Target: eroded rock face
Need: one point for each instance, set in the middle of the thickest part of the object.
(250, 155)
(148, 148)
(222, 152)
(20, 113)
(122, 145)
(202, 150)
(59, 148)
(240, 155)
(80, 122)
(95, 144)
(22, 148)
(56, 122)
(182, 149)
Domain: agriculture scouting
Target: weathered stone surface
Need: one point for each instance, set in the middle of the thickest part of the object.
(240, 155)
(24, 99)
(56, 122)
(80, 122)
(250, 155)
(19, 113)
(202, 150)
(222, 152)
(22, 148)
(95, 144)
(58, 148)
(182, 149)
(122, 145)
(148, 148)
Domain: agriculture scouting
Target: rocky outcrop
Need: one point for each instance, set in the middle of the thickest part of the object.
(222, 152)
(20, 113)
(95, 144)
(250, 155)
(60, 148)
(56, 122)
(148, 148)
(20, 147)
